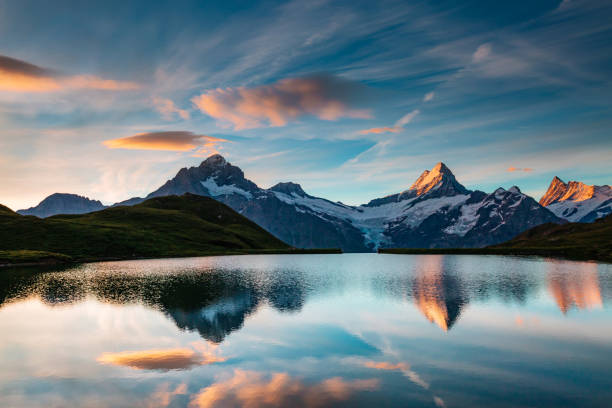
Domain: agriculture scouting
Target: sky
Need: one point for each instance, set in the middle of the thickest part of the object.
(353, 100)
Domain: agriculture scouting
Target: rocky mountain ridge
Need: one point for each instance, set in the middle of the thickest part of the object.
(62, 203)
(577, 202)
(436, 211)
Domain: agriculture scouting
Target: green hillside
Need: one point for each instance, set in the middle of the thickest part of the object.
(188, 225)
(573, 240)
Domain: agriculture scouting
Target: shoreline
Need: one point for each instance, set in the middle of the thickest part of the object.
(565, 254)
(42, 258)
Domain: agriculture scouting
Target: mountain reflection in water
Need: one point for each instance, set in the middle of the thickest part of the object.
(216, 302)
(308, 330)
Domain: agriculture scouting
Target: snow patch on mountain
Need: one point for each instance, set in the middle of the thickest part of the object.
(218, 190)
(574, 211)
(467, 220)
(423, 209)
(317, 205)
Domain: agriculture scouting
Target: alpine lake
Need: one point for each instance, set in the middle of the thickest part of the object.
(364, 330)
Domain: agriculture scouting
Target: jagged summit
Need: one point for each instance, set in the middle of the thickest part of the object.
(289, 188)
(215, 160)
(576, 201)
(560, 191)
(439, 178)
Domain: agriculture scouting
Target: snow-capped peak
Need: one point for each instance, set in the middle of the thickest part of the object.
(576, 201)
(515, 190)
(439, 177)
(216, 160)
(574, 191)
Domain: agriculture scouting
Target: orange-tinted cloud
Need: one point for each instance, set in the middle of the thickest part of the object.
(168, 109)
(379, 130)
(163, 359)
(20, 76)
(513, 169)
(403, 367)
(163, 395)
(254, 389)
(398, 127)
(407, 372)
(383, 365)
(325, 97)
(178, 141)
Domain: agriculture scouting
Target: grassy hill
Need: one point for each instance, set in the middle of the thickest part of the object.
(573, 240)
(584, 241)
(188, 225)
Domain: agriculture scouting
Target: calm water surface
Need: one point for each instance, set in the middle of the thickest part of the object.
(308, 330)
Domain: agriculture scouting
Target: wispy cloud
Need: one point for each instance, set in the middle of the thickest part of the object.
(525, 169)
(398, 127)
(428, 96)
(407, 372)
(482, 52)
(407, 118)
(20, 76)
(178, 141)
(378, 130)
(163, 395)
(252, 388)
(325, 97)
(168, 109)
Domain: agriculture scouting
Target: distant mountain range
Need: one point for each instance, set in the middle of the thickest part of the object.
(435, 212)
(62, 203)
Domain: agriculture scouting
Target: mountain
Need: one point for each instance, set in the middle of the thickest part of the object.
(576, 201)
(573, 240)
(189, 225)
(274, 209)
(436, 211)
(61, 203)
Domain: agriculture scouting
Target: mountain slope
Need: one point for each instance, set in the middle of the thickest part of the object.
(165, 226)
(61, 203)
(436, 211)
(576, 201)
(290, 222)
(574, 240)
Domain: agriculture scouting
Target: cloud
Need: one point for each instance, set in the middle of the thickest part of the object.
(253, 389)
(403, 367)
(482, 52)
(407, 372)
(21, 76)
(428, 96)
(163, 359)
(379, 130)
(326, 97)
(407, 118)
(178, 141)
(383, 365)
(163, 395)
(564, 5)
(168, 109)
(525, 169)
(439, 401)
(398, 127)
